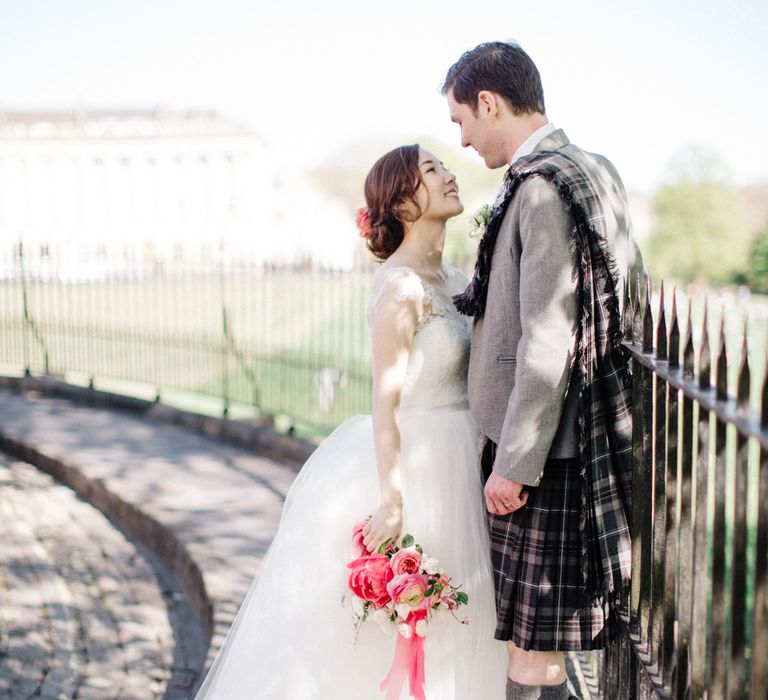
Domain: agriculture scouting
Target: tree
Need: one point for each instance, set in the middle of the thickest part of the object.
(757, 277)
(701, 232)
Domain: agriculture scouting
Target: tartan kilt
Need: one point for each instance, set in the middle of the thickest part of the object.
(541, 599)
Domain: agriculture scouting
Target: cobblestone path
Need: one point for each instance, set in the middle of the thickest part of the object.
(223, 503)
(82, 612)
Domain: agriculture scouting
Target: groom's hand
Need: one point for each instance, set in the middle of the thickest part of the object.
(503, 496)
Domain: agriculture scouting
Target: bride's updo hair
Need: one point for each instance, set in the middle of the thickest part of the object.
(391, 183)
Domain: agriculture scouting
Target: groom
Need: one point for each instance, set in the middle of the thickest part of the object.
(548, 378)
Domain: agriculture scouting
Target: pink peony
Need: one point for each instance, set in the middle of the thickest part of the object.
(369, 578)
(408, 589)
(406, 561)
(358, 548)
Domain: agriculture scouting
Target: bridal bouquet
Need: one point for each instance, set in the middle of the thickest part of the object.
(401, 586)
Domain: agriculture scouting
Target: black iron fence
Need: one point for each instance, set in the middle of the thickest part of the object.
(294, 341)
(695, 623)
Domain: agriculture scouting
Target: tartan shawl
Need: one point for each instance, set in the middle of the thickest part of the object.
(604, 417)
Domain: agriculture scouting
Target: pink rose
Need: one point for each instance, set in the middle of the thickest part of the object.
(369, 578)
(406, 561)
(408, 589)
(358, 548)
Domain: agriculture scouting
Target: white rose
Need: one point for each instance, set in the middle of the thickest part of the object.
(405, 630)
(431, 566)
(358, 605)
(381, 618)
(421, 628)
(403, 610)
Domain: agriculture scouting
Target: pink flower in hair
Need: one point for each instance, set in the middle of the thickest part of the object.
(363, 221)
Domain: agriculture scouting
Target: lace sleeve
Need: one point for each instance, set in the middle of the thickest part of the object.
(396, 284)
(393, 314)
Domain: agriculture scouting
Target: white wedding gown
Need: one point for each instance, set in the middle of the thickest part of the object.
(292, 638)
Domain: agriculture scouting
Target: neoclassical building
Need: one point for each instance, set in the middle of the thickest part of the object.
(85, 186)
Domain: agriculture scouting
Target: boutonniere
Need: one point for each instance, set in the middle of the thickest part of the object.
(479, 221)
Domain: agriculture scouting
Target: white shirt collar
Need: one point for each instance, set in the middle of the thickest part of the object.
(527, 146)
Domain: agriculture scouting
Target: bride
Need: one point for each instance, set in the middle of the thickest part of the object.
(412, 466)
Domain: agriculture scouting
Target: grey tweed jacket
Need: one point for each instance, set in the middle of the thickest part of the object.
(523, 344)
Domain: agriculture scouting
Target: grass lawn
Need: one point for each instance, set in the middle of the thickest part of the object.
(259, 338)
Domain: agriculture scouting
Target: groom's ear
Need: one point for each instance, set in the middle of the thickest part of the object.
(487, 103)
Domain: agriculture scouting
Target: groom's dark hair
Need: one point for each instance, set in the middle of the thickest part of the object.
(500, 67)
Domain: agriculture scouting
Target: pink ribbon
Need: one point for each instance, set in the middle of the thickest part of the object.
(408, 662)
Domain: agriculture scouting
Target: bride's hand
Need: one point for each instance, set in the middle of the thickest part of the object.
(385, 524)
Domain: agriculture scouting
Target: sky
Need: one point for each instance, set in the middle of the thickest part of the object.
(637, 81)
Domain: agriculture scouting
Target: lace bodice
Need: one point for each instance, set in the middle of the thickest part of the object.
(437, 364)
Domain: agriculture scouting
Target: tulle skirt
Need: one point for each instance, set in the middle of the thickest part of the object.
(294, 640)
